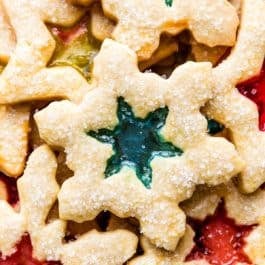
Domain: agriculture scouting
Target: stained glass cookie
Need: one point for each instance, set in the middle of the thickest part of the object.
(136, 118)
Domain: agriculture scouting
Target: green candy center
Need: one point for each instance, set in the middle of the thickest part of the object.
(136, 142)
(169, 2)
(214, 127)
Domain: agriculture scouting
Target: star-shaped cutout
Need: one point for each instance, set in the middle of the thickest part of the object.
(136, 141)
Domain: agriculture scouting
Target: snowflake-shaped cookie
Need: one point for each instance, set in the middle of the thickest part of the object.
(26, 76)
(205, 160)
(139, 26)
(37, 192)
(232, 109)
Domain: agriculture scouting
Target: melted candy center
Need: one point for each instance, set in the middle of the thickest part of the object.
(136, 141)
(75, 47)
(219, 240)
(254, 89)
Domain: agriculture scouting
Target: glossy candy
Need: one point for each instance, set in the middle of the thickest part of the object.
(136, 141)
(75, 47)
(219, 240)
(254, 89)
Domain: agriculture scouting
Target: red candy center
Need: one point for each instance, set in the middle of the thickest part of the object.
(67, 35)
(219, 240)
(254, 89)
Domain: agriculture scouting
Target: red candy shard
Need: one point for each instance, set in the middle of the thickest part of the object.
(23, 255)
(67, 35)
(254, 89)
(219, 240)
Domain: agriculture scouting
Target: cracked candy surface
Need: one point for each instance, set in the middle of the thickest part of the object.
(139, 27)
(229, 107)
(26, 76)
(206, 159)
(47, 238)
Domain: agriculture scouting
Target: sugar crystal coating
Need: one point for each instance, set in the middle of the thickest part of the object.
(205, 160)
(92, 247)
(233, 110)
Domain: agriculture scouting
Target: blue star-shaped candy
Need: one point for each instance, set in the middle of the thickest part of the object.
(136, 141)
